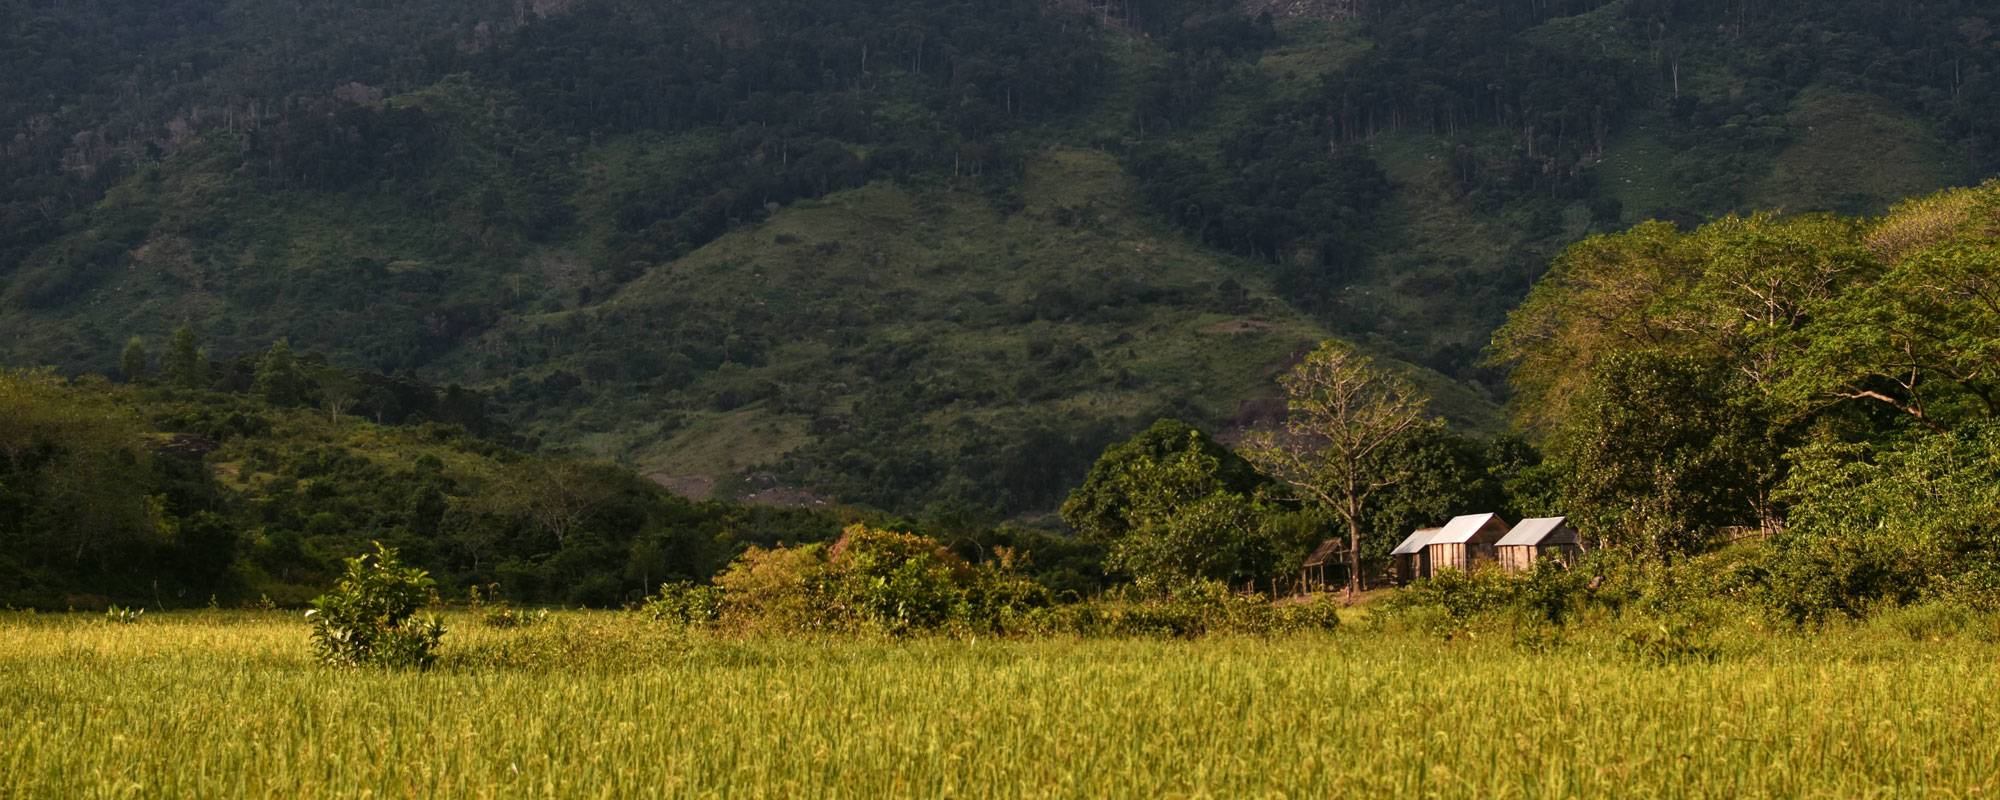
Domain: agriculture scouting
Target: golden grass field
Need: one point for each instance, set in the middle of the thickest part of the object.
(229, 704)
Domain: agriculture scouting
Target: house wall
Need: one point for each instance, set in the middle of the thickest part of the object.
(1458, 556)
(1412, 567)
(1521, 558)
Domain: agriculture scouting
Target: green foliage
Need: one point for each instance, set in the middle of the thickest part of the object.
(1897, 521)
(869, 580)
(1345, 419)
(1660, 452)
(458, 189)
(1820, 376)
(370, 616)
(185, 365)
(1123, 484)
(494, 611)
(90, 511)
(279, 380)
(1171, 505)
(684, 604)
(134, 364)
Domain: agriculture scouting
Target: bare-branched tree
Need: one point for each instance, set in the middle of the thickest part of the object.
(1343, 414)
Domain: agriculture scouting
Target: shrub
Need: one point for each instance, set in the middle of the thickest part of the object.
(370, 617)
(867, 580)
(1000, 598)
(898, 582)
(1448, 603)
(777, 590)
(684, 605)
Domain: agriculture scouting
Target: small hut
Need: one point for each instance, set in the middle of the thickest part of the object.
(1411, 561)
(1312, 575)
(1536, 539)
(1465, 542)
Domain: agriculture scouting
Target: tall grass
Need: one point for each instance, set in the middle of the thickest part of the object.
(606, 705)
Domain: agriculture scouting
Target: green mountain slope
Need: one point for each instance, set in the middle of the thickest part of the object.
(909, 252)
(861, 342)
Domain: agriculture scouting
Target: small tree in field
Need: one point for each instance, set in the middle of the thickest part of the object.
(1343, 415)
(370, 617)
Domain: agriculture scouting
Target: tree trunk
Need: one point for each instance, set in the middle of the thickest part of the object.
(1353, 555)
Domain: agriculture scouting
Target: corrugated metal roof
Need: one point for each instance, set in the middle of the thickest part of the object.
(1537, 532)
(1461, 529)
(1416, 542)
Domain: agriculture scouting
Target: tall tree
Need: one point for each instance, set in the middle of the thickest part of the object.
(1344, 415)
(134, 363)
(279, 380)
(185, 366)
(1662, 450)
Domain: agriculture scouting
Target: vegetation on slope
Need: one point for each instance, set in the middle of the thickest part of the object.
(405, 186)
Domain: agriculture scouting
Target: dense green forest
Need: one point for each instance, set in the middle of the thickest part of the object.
(1823, 381)
(915, 255)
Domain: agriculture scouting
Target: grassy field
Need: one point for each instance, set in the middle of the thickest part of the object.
(222, 704)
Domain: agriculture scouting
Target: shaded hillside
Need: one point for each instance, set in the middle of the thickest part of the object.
(175, 497)
(907, 252)
(891, 345)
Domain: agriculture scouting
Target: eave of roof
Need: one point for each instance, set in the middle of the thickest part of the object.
(1415, 542)
(1532, 531)
(1461, 529)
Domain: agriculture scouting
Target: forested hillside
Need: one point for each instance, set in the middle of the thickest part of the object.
(215, 485)
(907, 253)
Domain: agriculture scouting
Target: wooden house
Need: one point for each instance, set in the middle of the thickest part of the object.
(1536, 539)
(1411, 562)
(1326, 568)
(1312, 575)
(1464, 542)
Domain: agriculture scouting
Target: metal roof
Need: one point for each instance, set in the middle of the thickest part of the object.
(1415, 542)
(1461, 529)
(1537, 532)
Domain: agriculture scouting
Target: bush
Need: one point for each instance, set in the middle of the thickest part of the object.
(777, 590)
(370, 617)
(1448, 603)
(869, 580)
(897, 582)
(684, 605)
